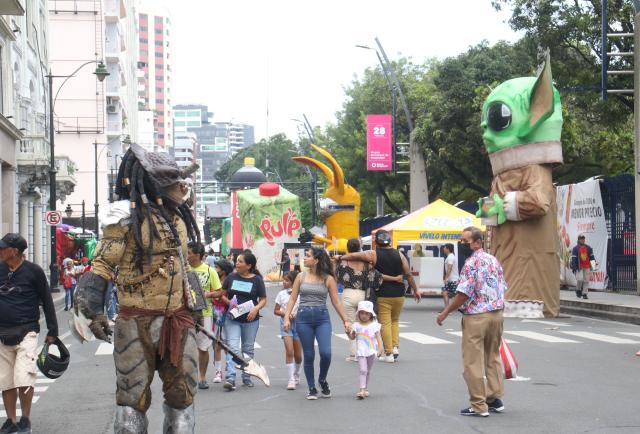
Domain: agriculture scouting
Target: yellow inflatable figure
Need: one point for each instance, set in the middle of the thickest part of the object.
(341, 205)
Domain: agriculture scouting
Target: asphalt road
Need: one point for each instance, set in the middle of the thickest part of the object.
(578, 375)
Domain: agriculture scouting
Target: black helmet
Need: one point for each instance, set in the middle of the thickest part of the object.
(51, 365)
(383, 238)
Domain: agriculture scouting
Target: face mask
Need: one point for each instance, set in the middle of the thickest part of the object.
(465, 249)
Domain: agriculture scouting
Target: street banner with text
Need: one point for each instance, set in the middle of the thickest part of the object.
(379, 143)
(580, 211)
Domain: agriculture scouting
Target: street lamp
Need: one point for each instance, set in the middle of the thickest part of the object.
(69, 212)
(101, 73)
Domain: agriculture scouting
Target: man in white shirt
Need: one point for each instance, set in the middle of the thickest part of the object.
(451, 274)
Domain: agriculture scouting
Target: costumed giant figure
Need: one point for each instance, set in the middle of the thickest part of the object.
(522, 122)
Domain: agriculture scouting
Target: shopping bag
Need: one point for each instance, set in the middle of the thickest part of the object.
(509, 362)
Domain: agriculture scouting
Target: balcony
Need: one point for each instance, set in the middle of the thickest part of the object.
(114, 10)
(33, 152)
(11, 7)
(65, 179)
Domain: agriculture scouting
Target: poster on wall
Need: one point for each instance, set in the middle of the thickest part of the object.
(580, 212)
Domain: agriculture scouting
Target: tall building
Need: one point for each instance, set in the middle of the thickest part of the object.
(154, 78)
(24, 145)
(92, 118)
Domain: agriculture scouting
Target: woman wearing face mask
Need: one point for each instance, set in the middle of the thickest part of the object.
(245, 297)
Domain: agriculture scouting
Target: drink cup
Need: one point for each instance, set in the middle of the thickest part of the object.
(488, 220)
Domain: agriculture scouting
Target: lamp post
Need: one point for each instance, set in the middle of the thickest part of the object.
(101, 73)
(418, 186)
(69, 212)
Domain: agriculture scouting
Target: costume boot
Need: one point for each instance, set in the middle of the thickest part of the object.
(130, 421)
(179, 421)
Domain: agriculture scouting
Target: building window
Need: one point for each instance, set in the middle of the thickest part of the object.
(192, 113)
(159, 65)
(158, 31)
(179, 114)
(159, 53)
(144, 41)
(158, 43)
(143, 28)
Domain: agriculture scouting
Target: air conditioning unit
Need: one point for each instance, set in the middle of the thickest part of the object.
(112, 108)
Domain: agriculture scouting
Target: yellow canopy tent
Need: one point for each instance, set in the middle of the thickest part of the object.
(436, 223)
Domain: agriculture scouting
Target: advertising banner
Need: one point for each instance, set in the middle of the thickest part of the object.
(236, 230)
(379, 143)
(580, 212)
(268, 222)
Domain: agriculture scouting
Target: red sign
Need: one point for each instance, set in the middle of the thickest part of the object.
(286, 226)
(53, 218)
(379, 143)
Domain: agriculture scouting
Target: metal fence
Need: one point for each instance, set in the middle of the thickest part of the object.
(618, 201)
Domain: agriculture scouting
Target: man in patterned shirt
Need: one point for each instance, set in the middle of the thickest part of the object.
(480, 298)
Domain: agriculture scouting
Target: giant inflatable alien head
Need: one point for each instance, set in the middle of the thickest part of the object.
(342, 202)
(522, 122)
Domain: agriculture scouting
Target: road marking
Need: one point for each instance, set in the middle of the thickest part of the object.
(423, 339)
(40, 389)
(256, 345)
(341, 336)
(459, 333)
(552, 323)
(542, 337)
(635, 334)
(44, 380)
(602, 338)
(104, 349)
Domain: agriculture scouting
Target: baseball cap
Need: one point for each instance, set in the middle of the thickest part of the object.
(383, 238)
(15, 241)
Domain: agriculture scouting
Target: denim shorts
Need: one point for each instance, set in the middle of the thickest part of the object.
(292, 330)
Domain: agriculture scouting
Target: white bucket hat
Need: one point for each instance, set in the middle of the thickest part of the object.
(366, 306)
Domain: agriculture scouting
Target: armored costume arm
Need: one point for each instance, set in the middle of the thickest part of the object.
(90, 293)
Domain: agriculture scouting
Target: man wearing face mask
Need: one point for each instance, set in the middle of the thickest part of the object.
(145, 235)
(480, 298)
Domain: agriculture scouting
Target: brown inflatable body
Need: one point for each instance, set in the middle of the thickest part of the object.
(527, 249)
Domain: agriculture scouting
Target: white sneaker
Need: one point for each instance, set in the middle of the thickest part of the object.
(387, 359)
(292, 384)
(396, 353)
(218, 377)
(296, 378)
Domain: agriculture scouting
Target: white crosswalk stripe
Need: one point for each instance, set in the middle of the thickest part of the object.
(542, 337)
(634, 334)
(601, 338)
(551, 323)
(423, 339)
(459, 333)
(104, 349)
(341, 336)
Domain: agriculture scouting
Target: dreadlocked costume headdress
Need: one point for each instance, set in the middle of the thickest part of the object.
(145, 179)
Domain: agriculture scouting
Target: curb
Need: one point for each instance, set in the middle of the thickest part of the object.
(608, 312)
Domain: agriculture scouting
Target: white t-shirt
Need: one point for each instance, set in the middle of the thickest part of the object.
(366, 341)
(452, 260)
(283, 299)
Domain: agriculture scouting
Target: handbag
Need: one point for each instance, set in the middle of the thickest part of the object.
(509, 362)
(371, 282)
(197, 293)
(68, 282)
(11, 336)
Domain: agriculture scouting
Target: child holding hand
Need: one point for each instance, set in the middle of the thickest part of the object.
(292, 346)
(366, 332)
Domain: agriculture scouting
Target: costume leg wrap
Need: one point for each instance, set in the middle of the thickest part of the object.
(179, 421)
(134, 356)
(130, 421)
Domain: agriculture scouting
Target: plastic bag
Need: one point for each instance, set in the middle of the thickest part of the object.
(509, 362)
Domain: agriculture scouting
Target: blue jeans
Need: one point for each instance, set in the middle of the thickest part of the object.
(111, 301)
(68, 296)
(313, 323)
(235, 332)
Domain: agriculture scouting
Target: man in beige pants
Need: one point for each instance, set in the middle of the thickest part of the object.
(480, 298)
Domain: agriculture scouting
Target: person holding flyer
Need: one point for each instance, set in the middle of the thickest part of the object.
(245, 297)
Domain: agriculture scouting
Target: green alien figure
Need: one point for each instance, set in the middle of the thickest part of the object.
(522, 122)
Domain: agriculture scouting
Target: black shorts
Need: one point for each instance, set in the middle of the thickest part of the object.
(450, 288)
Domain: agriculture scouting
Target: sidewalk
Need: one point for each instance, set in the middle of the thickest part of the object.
(604, 305)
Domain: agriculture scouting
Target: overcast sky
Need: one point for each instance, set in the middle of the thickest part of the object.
(237, 55)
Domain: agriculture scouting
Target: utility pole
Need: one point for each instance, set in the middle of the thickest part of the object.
(418, 186)
(314, 175)
(53, 267)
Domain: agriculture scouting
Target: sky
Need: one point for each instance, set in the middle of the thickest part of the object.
(244, 58)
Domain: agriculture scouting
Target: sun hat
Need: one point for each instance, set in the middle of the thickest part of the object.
(366, 306)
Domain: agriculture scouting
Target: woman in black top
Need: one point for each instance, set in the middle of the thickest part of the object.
(245, 296)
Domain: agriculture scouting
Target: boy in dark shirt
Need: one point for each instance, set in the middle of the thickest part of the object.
(23, 287)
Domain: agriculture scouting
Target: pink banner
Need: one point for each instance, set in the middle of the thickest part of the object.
(379, 143)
